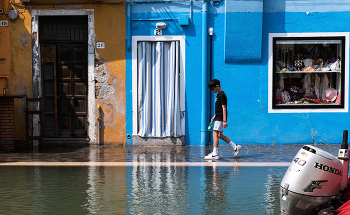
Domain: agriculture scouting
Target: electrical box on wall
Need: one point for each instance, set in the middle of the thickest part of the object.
(1, 11)
(4, 23)
(184, 19)
(3, 85)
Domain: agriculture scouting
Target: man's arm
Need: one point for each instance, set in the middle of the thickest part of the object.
(224, 116)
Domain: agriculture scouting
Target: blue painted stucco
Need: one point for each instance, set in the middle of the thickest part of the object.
(243, 70)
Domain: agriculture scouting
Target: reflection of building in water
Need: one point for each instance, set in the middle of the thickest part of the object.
(158, 189)
(272, 190)
(106, 185)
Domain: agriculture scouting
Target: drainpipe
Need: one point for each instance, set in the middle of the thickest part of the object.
(211, 31)
(128, 24)
(98, 124)
(204, 124)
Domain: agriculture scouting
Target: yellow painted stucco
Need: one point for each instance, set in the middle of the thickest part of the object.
(109, 23)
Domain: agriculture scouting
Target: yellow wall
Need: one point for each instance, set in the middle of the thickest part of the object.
(109, 28)
(4, 50)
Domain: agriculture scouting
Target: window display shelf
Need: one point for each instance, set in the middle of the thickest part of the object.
(308, 72)
(311, 104)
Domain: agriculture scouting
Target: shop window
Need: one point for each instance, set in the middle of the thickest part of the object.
(308, 72)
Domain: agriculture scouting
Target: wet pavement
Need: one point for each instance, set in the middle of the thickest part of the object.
(175, 154)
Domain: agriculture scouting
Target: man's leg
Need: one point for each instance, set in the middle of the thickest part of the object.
(216, 136)
(236, 148)
(215, 154)
(224, 138)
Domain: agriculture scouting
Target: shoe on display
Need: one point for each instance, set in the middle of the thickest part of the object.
(211, 156)
(236, 150)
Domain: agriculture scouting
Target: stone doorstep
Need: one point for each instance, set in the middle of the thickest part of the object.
(159, 141)
(64, 141)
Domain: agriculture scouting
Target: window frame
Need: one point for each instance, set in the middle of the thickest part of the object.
(343, 107)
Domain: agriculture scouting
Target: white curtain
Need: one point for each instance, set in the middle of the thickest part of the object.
(158, 93)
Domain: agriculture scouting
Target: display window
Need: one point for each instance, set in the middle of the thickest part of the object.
(308, 72)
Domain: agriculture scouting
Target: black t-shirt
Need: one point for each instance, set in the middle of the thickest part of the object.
(220, 100)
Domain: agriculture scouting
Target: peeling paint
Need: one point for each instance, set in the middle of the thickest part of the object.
(104, 89)
(35, 36)
(21, 86)
(23, 39)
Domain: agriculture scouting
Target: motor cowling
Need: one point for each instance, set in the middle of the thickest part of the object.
(313, 178)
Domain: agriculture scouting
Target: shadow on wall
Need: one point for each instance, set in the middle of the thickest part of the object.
(100, 127)
(274, 21)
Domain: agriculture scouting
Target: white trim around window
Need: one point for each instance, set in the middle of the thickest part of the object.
(270, 73)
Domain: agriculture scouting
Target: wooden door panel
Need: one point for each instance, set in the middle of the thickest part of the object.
(80, 106)
(78, 53)
(79, 71)
(80, 89)
(72, 90)
(65, 106)
(64, 72)
(80, 122)
(64, 89)
(65, 122)
(64, 54)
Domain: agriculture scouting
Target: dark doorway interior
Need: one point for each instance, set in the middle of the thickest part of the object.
(64, 56)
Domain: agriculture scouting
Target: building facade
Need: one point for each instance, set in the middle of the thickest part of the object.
(72, 55)
(282, 64)
(135, 72)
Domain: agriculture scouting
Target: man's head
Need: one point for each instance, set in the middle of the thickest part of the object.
(213, 84)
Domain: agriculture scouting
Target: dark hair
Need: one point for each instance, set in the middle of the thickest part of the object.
(213, 83)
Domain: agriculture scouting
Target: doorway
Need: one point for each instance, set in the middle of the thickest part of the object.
(64, 72)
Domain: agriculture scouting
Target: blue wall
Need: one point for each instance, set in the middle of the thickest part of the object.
(240, 62)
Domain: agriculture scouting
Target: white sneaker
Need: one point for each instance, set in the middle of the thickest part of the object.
(236, 150)
(211, 156)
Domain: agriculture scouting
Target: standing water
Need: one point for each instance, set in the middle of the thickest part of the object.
(140, 189)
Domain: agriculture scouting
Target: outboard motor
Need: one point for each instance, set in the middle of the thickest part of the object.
(314, 178)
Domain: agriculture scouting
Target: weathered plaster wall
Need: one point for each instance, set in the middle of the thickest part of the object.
(110, 71)
(109, 21)
(20, 76)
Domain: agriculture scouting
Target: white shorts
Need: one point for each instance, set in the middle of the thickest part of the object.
(218, 126)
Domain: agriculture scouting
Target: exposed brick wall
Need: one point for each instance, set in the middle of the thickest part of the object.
(7, 120)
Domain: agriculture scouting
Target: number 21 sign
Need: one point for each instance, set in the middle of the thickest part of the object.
(157, 32)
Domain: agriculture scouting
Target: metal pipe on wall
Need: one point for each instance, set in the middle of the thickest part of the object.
(128, 24)
(98, 124)
(204, 121)
(210, 31)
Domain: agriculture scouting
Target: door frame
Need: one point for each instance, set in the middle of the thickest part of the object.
(36, 60)
(135, 40)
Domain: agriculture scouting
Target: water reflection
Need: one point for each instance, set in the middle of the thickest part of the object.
(169, 189)
(140, 189)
